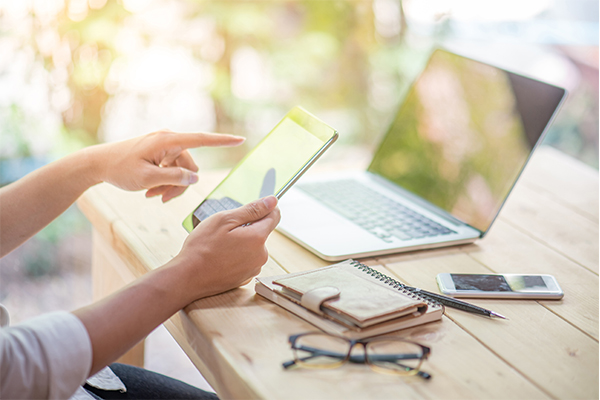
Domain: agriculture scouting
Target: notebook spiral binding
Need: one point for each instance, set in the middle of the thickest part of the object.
(409, 291)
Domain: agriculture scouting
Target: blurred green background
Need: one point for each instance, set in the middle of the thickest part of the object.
(79, 72)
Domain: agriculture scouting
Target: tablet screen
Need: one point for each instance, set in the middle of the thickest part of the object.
(271, 167)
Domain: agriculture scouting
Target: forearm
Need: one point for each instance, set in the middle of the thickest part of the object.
(158, 161)
(223, 252)
(118, 322)
(31, 203)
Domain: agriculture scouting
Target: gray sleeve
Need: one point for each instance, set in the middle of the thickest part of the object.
(46, 357)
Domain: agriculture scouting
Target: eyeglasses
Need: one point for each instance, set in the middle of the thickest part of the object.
(388, 355)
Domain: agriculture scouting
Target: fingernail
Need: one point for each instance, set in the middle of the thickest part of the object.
(239, 140)
(193, 178)
(270, 201)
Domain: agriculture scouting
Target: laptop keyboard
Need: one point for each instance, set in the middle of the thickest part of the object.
(373, 211)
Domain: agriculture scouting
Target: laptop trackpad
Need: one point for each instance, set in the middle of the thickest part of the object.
(307, 215)
(301, 212)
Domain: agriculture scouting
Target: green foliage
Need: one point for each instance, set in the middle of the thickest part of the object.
(328, 56)
(14, 119)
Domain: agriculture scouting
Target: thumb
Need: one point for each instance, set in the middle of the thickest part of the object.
(176, 176)
(254, 211)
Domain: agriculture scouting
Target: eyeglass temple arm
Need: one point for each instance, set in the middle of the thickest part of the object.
(384, 357)
(424, 374)
(315, 353)
(358, 359)
(291, 363)
(392, 358)
(288, 364)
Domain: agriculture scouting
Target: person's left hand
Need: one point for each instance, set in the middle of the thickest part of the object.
(157, 161)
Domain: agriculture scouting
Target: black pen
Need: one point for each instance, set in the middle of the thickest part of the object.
(455, 303)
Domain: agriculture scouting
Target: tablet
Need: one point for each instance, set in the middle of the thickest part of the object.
(272, 167)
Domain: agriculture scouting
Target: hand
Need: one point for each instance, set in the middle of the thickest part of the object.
(223, 252)
(158, 161)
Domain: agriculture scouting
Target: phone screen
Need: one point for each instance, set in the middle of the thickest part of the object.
(271, 167)
(499, 283)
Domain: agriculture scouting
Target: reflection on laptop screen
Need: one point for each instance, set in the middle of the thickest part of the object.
(463, 135)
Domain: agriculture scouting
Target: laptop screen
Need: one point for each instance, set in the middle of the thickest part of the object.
(463, 135)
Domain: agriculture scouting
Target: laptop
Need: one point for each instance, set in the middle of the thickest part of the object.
(442, 172)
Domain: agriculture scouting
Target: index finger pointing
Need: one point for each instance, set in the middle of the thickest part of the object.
(191, 140)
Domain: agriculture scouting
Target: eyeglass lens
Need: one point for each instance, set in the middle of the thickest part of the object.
(396, 355)
(320, 350)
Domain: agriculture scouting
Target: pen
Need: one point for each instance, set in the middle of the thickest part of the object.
(454, 303)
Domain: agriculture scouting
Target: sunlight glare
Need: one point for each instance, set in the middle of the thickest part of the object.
(474, 10)
(78, 10)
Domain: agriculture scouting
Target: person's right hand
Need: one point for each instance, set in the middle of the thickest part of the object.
(158, 161)
(227, 249)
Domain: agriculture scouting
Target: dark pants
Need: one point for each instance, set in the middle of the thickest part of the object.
(144, 384)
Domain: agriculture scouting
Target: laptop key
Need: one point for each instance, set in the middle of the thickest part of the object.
(416, 234)
(401, 235)
(381, 234)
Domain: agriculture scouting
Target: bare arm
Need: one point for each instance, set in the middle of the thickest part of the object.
(158, 162)
(220, 254)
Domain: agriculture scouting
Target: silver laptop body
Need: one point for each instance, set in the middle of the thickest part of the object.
(453, 153)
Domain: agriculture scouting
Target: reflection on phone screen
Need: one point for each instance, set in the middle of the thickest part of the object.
(211, 206)
(498, 283)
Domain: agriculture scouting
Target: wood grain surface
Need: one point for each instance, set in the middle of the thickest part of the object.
(546, 349)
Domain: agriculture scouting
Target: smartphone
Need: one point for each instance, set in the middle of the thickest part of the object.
(271, 167)
(515, 286)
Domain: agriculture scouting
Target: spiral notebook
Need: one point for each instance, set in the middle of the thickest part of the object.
(349, 299)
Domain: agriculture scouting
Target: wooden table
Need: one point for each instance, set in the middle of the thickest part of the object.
(238, 340)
